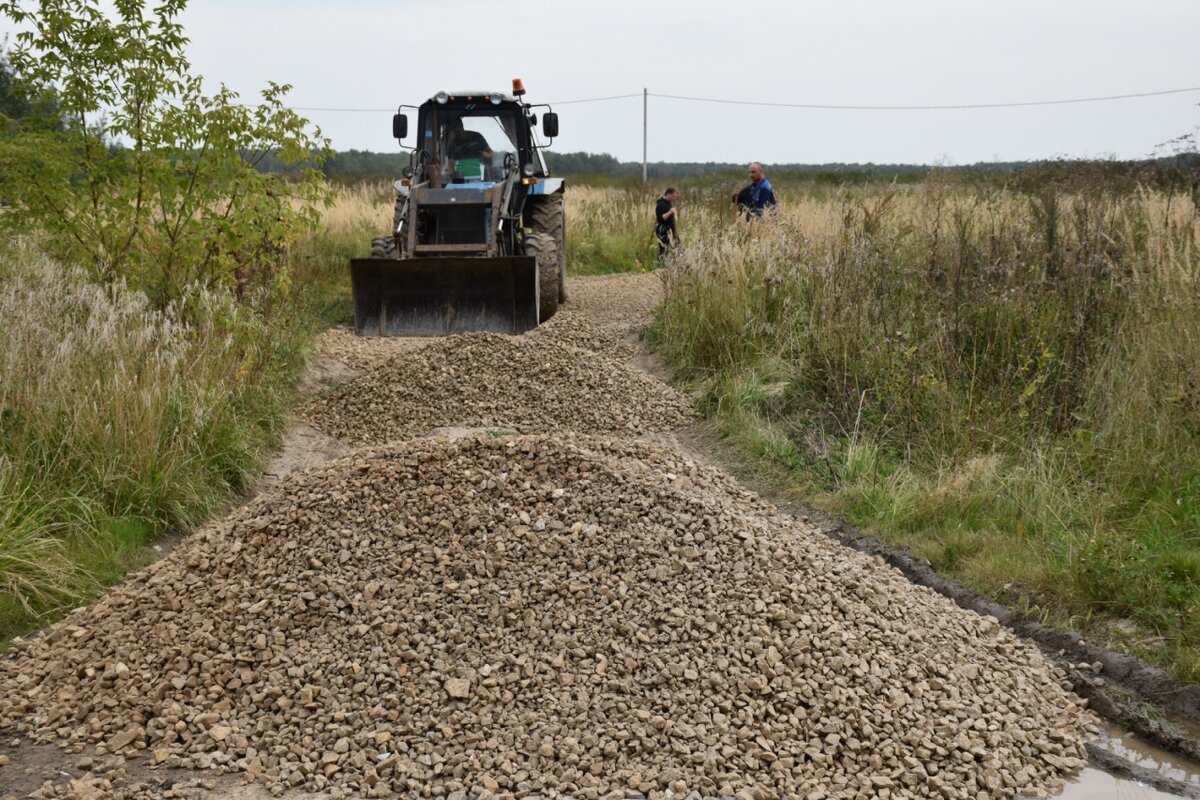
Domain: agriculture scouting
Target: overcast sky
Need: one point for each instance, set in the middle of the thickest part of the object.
(376, 54)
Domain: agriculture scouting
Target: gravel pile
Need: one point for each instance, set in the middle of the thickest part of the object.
(516, 383)
(605, 313)
(544, 616)
(362, 353)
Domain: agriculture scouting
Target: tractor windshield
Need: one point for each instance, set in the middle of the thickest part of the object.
(474, 143)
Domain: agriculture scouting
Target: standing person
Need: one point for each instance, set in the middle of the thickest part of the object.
(756, 197)
(665, 215)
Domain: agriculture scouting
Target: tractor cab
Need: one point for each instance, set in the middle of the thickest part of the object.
(476, 136)
(467, 141)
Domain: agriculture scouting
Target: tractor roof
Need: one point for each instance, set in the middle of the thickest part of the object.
(477, 93)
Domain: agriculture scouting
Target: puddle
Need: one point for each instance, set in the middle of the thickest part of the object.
(1094, 784)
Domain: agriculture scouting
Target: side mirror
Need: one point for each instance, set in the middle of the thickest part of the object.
(399, 126)
(550, 124)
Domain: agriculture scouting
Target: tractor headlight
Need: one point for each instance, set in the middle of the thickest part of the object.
(496, 97)
(527, 170)
(441, 97)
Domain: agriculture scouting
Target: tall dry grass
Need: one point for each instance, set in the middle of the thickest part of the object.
(609, 229)
(1005, 382)
(119, 420)
(320, 261)
(358, 208)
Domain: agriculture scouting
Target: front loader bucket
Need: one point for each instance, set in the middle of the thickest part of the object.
(439, 296)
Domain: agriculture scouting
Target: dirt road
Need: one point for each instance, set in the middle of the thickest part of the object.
(483, 568)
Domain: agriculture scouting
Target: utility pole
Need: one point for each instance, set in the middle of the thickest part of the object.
(645, 106)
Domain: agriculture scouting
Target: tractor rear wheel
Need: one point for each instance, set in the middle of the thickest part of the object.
(546, 214)
(544, 249)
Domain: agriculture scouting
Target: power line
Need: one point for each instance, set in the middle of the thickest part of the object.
(928, 107)
(595, 99)
(821, 106)
(393, 110)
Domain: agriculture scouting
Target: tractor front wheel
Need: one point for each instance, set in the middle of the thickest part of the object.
(545, 214)
(384, 247)
(545, 250)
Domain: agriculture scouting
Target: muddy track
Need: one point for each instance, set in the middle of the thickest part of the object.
(462, 581)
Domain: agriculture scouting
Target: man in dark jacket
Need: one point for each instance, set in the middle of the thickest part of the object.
(757, 197)
(468, 150)
(664, 221)
(466, 144)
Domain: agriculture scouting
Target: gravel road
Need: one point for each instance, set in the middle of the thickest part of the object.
(539, 604)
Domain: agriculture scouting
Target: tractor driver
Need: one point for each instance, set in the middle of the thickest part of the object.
(467, 144)
(467, 152)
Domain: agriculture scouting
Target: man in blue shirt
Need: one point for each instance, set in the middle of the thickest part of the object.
(756, 198)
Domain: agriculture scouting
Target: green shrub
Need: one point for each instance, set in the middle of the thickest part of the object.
(149, 180)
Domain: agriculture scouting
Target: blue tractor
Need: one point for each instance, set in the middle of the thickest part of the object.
(478, 235)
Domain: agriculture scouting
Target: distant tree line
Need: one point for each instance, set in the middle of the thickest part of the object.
(604, 164)
(349, 166)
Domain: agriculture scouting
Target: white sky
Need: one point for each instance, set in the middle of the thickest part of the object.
(376, 54)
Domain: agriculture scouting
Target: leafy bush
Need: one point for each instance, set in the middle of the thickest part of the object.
(150, 180)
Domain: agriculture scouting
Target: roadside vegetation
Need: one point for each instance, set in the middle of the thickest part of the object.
(120, 421)
(607, 230)
(1001, 379)
(319, 259)
(153, 327)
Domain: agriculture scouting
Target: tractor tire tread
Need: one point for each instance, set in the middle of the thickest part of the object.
(546, 214)
(384, 247)
(545, 250)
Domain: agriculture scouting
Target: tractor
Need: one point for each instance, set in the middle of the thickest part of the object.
(478, 234)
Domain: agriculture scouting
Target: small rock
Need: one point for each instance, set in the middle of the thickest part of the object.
(125, 738)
